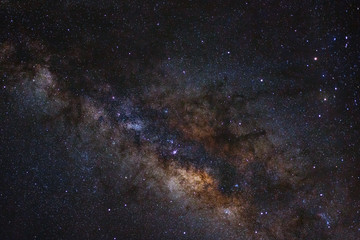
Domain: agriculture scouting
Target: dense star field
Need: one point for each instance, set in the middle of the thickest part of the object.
(179, 119)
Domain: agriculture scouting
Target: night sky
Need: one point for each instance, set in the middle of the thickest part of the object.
(180, 119)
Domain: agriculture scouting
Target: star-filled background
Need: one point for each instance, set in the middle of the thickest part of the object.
(179, 119)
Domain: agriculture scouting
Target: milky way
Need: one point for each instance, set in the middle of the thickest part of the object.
(165, 120)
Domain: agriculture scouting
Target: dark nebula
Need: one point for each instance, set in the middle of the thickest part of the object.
(180, 119)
